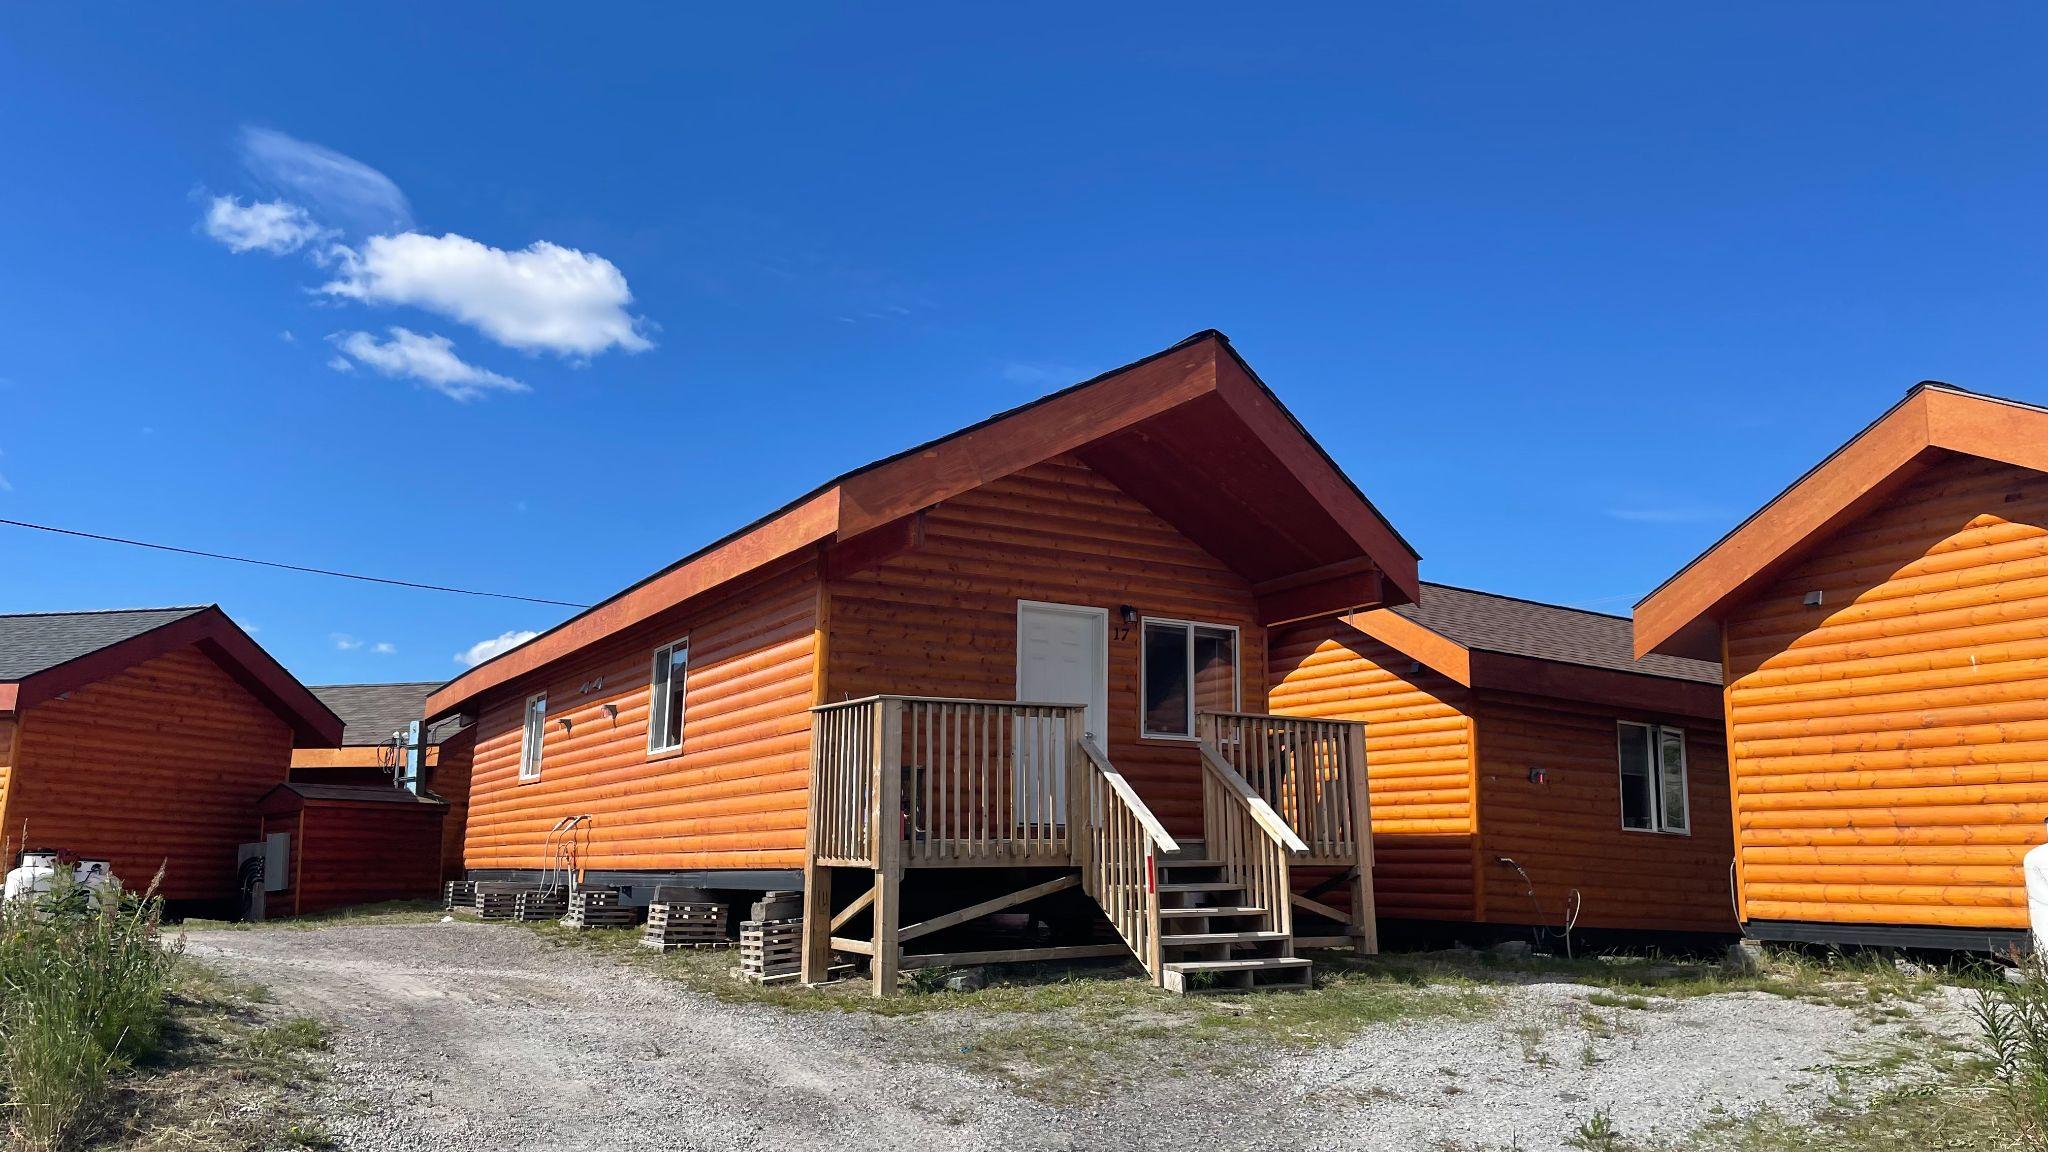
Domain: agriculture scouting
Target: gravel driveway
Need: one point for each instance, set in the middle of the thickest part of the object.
(465, 1036)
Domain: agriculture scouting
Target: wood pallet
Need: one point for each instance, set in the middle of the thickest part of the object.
(598, 910)
(533, 905)
(459, 896)
(685, 925)
(771, 950)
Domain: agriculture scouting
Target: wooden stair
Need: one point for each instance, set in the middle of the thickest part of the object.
(1213, 940)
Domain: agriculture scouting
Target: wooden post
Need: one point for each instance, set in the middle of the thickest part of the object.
(1365, 922)
(817, 961)
(888, 846)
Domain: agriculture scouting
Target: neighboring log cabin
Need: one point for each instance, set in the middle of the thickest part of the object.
(1021, 667)
(1883, 627)
(1526, 768)
(146, 738)
(373, 753)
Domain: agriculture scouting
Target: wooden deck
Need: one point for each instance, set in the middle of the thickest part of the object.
(905, 785)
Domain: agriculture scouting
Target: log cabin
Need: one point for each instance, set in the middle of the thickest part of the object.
(1018, 669)
(373, 754)
(146, 738)
(1528, 771)
(1882, 627)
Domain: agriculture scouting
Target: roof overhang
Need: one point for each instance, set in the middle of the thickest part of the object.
(1191, 432)
(221, 640)
(1683, 616)
(1486, 671)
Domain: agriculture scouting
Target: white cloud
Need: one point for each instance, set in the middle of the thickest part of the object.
(431, 360)
(542, 298)
(339, 189)
(343, 642)
(483, 650)
(271, 226)
(384, 648)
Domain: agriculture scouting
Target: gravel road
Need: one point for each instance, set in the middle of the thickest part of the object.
(461, 1036)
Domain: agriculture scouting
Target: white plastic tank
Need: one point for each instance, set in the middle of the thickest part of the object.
(33, 875)
(2035, 867)
(37, 872)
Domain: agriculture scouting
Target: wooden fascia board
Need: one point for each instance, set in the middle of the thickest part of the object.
(1332, 595)
(1432, 650)
(1279, 433)
(801, 527)
(8, 695)
(1528, 675)
(313, 724)
(2014, 434)
(1035, 434)
(1817, 502)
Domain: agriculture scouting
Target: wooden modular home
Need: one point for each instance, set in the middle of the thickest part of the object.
(372, 752)
(1883, 629)
(1021, 666)
(146, 738)
(1527, 768)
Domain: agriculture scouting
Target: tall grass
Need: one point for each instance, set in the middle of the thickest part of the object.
(2014, 1016)
(82, 996)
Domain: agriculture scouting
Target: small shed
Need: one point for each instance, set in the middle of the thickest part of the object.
(354, 844)
(372, 751)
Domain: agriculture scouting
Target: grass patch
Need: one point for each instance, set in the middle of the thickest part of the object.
(229, 1077)
(362, 915)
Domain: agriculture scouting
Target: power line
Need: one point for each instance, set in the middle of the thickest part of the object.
(286, 567)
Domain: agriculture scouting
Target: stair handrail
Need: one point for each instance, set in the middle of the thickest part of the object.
(1154, 830)
(1117, 843)
(1261, 811)
(1252, 844)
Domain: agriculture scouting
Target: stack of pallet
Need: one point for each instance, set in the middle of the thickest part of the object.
(459, 896)
(771, 951)
(494, 901)
(598, 909)
(534, 904)
(681, 924)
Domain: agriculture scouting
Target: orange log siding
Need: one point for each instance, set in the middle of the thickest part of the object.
(735, 796)
(159, 765)
(1418, 752)
(346, 853)
(1566, 832)
(941, 619)
(1890, 746)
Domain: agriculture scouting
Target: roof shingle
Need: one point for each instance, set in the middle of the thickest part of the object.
(372, 712)
(33, 642)
(1489, 622)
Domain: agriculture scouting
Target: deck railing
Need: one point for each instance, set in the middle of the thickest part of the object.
(1117, 848)
(1254, 845)
(972, 781)
(1312, 773)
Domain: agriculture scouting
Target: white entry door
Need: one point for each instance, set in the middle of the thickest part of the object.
(1062, 658)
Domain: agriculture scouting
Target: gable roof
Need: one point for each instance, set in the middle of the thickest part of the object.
(1190, 431)
(31, 642)
(1486, 640)
(370, 713)
(1934, 421)
(46, 654)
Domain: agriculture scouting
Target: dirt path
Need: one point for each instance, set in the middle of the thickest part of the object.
(461, 1036)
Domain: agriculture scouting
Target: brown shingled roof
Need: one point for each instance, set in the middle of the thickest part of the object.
(1490, 622)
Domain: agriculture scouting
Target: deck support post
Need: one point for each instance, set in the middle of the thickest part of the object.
(1365, 920)
(888, 842)
(817, 960)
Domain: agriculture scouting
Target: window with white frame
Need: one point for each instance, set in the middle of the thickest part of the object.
(1653, 778)
(670, 676)
(532, 732)
(1187, 668)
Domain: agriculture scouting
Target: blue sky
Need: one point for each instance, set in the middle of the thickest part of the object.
(1568, 290)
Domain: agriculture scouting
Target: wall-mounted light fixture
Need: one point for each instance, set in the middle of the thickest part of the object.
(1813, 599)
(1126, 616)
(1536, 774)
(611, 710)
(567, 724)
